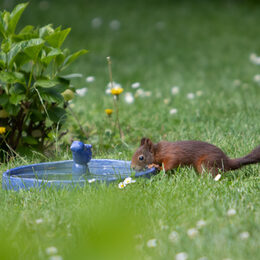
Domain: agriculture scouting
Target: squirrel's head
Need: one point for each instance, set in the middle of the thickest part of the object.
(144, 155)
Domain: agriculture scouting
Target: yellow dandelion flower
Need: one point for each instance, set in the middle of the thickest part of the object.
(116, 91)
(2, 130)
(109, 111)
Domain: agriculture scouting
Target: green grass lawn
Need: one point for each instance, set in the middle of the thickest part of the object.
(201, 47)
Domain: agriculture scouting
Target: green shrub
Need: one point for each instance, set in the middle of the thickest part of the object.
(33, 94)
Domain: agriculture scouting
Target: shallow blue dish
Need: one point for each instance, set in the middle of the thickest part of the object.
(70, 173)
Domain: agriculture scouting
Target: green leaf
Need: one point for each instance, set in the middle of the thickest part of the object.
(72, 58)
(6, 19)
(6, 45)
(57, 114)
(51, 55)
(46, 31)
(15, 16)
(27, 33)
(53, 94)
(21, 59)
(15, 99)
(15, 49)
(57, 38)
(2, 59)
(12, 109)
(50, 95)
(72, 76)
(24, 36)
(11, 77)
(4, 99)
(2, 25)
(31, 48)
(46, 83)
(27, 29)
(2, 64)
(17, 89)
(63, 85)
(29, 140)
(36, 115)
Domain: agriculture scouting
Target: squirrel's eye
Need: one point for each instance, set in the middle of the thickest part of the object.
(141, 157)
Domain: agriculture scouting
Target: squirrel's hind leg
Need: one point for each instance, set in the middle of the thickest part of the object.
(203, 165)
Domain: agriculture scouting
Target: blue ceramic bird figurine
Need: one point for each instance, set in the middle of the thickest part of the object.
(81, 156)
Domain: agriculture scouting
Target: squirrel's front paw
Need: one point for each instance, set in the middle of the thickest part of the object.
(153, 165)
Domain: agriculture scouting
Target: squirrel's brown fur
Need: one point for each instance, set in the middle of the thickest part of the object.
(201, 155)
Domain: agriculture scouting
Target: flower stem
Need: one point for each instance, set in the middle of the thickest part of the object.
(117, 117)
(116, 98)
(110, 71)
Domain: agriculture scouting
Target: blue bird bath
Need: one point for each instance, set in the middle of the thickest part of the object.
(80, 171)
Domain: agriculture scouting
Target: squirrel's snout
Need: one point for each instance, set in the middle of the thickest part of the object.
(132, 166)
(136, 167)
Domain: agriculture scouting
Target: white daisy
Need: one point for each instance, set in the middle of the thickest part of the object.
(190, 96)
(129, 98)
(39, 221)
(136, 85)
(91, 180)
(55, 257)
(201, 223)
(96, 22)
(175, 90)
(152, 243)
(192, 232)
(121, 185)
(81, 91)
(114, 25)
(252, 56)
(140, 93)
(231, 212)
(108, 91)
(244, 235)
(257, 78)
(173, 111)
(181, 256)
(173, 236)
(114, 85)
(51, 250)
(129, 180)
(90, 79)
(254, 59)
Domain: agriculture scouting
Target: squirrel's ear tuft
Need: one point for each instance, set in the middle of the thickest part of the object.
(149, 144)
(143, 141)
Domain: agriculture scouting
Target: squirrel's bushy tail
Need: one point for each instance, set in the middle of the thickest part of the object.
(253, 157)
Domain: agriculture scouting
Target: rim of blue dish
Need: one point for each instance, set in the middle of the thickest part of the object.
(11, 174)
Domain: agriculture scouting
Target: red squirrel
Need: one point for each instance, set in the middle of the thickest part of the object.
(201, 155)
